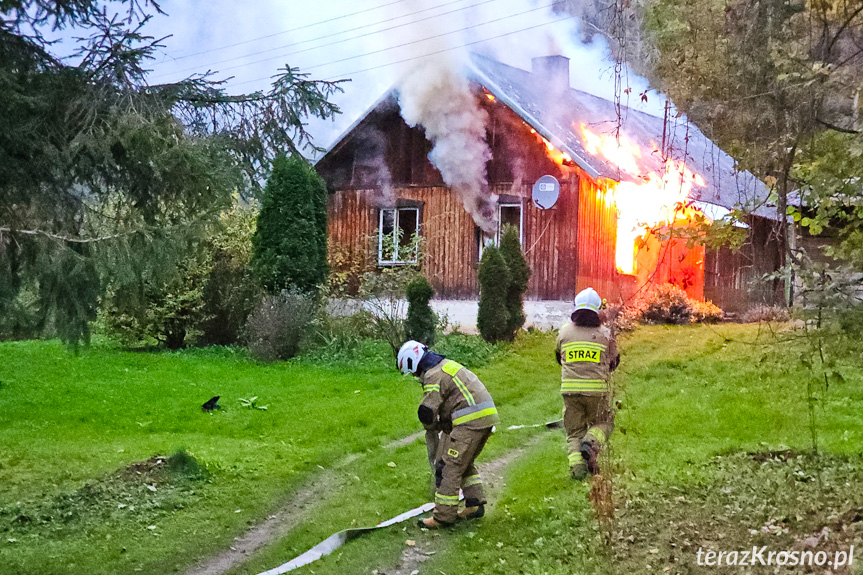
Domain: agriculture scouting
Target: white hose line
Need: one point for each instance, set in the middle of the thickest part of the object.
(336, 540)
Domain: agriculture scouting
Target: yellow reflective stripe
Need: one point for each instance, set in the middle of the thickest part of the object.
(445, 499)
(431, 387)
(592, 344)
(464, 391)
(474, 415)
(472, 480)
(591, 384)
(575, 458)
(451, 367)
(598, 434)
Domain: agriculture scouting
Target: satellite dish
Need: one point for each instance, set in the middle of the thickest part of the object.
(546, 191)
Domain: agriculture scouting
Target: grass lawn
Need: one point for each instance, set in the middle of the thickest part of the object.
(694, 401)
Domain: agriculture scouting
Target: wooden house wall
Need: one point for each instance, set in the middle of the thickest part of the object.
(596, 242)
(733, 280)
(568, 247)
(550, 237)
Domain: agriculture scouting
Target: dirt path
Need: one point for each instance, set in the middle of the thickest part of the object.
(413, 556)
(293, 512)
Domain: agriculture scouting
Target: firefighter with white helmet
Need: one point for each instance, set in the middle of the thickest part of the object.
(587, 353)
(456, 403)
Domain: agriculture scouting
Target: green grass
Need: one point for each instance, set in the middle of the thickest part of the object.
(693, 402)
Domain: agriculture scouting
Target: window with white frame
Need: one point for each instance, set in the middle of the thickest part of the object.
(398, 229)
(507, 214)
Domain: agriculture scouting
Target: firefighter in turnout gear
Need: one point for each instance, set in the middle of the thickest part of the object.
(456, 403)
(587, 353)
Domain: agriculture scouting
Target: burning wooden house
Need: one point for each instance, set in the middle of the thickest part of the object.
(617, 171)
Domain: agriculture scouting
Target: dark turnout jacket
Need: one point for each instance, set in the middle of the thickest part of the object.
(454, 396)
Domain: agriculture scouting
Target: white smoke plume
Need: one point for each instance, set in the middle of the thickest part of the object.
(419, 46)
(438, 97)
(370, 166)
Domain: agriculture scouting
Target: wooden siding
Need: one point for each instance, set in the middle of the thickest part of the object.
(568, 247)
(733, 280)
(596, 243)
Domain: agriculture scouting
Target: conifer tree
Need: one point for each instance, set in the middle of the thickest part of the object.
(108, 180)
(289, 245)
(421, 320)
(519, 274)
(493, 317)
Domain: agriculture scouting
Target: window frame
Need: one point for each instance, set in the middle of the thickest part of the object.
(396, 261)
(483, 239)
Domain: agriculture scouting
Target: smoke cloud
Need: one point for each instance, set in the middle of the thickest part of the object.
(418, 46)
(438, 97)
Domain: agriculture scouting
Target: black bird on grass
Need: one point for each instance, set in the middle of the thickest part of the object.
(212, 404)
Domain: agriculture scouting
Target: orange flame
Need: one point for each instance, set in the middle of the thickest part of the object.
(559, 157)
(656, 199)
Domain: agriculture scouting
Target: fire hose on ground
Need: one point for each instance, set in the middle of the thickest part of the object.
(336, 540)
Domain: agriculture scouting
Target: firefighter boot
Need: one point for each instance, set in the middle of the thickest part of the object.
(577, 466)
(432, 523)
(590, 453)
(474, 509)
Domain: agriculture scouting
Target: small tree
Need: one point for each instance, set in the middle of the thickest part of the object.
(493, 316)
(421, 320)
(519, 274)
(231, 291)
(289, 248)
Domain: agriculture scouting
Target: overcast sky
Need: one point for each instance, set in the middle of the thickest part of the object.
(370, 42)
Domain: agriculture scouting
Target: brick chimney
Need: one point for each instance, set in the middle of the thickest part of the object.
(552, 69)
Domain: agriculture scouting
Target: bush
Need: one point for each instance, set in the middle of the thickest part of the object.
(231, 290)
(383, 295)
(493, 317)
(665, 303)
(346, 269)
(519, 274)
(421, 320)
(167, 309)
(469, 350)
(290, 242)
(278, 326)
(766, 314)
(705, 312)
(340, 333)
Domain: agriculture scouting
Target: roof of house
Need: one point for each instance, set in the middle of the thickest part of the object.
(558, 115)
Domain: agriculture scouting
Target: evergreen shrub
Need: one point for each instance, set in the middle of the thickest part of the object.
(421, 320)
(493, 316)
(289, 247)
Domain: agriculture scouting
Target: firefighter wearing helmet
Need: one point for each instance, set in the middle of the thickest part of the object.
(587, 353)
(456, 404)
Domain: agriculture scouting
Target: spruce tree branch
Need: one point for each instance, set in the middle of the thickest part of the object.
(65, 238)
(836, 128)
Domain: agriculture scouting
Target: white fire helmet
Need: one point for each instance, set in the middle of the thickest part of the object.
(410, 355)
(588, 299)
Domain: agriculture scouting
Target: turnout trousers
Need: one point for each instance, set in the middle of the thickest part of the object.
(455, 469)
(587, 419)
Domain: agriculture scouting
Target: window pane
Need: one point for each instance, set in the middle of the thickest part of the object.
(407, 228)
(511, 216)
(386, 237)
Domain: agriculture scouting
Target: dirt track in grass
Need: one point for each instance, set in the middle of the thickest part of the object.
(298, 507)
(413, 556)
(291, 513)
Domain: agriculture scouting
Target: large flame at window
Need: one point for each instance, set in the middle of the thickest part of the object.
(653, 199)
